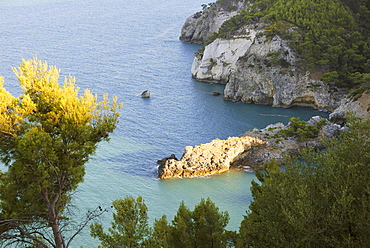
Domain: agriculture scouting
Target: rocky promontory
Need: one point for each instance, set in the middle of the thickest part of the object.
(207, 159)
(281, 140)
(255, 66)
(251, 150)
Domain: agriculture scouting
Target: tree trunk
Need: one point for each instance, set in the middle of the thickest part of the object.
(58, 237)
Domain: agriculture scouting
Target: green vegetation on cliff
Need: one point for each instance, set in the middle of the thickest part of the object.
(331, 36)
(47, 135)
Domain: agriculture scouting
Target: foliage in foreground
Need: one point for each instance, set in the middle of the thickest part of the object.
(202, 227)
(319, 200)
(47, 134)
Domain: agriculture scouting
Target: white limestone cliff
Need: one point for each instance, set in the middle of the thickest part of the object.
(204, 23)
(263, 71)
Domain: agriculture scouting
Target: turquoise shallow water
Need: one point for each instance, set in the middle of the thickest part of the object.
(122, 48)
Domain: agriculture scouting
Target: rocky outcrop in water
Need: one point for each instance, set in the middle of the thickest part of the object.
(256, 68)
(204, 23)
(249, 151)
(207, 159)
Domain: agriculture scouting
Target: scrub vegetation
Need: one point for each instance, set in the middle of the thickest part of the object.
(331, 36)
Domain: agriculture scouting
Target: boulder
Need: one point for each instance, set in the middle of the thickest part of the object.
(145, 94)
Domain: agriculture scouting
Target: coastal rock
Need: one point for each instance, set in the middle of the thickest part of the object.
(277, 146)
(263, 71)
(359, 107)
(208, 159)
(145, 94)
(251, 150)
(204, 23)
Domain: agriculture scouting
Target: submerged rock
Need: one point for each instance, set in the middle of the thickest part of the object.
(208, 159)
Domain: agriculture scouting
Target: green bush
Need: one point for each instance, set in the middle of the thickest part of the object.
(300, 129)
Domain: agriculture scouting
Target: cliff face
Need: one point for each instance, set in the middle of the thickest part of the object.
(204, 23)
(262, 70)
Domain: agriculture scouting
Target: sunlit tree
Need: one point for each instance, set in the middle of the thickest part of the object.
(47, 134)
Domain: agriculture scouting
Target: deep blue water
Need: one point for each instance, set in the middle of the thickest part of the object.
(124, 47)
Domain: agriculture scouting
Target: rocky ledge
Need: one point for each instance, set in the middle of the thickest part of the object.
(251, 150)
(207, 159)
(278, 142)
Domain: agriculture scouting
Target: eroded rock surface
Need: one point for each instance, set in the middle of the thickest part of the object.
(208, 159)
(359, 107)
(278, 146)
(262, 70)
(204, 23)
(249, 151)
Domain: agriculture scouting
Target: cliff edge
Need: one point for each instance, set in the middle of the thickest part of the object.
(208, 21)
(263, 70)
(256, 63)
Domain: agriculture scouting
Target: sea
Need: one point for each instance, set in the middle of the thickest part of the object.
(124, 47)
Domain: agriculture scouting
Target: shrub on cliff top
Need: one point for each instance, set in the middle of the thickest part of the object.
(300, 129)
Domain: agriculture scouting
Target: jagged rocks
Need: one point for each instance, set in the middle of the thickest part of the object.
(359, 107)
(145, 94)
(251, 150)
(208, 159)
(278, 146)
(204, 23)
(263, 71)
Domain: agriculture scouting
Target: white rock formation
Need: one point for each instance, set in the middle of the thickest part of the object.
(261, 71)
(203, 24)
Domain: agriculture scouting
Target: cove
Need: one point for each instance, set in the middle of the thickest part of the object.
(122, 48)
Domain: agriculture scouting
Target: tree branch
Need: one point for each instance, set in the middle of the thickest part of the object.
(89, 216)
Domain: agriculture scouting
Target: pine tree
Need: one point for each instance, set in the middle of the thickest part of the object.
(47, 134)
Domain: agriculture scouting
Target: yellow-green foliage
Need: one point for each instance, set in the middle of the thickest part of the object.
(47, 134)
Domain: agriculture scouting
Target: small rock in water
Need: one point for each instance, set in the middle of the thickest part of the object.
(216, 93)
(145, 94)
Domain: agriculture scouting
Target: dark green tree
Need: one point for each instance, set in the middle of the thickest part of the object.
(182, 229)
(47, 134)
(129, 227)
(319, 200)
(202, 227)
(209, 225)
